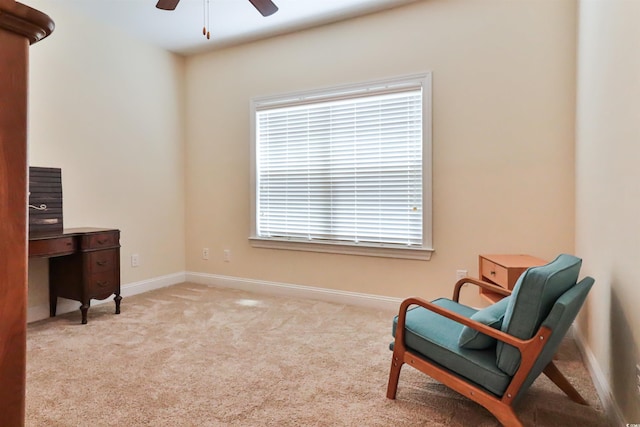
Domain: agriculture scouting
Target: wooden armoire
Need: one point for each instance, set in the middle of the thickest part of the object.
(20, 26)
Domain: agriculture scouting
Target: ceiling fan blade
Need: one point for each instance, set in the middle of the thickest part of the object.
(265, 7)
(167, 4)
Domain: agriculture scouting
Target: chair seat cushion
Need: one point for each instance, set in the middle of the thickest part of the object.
(435, 338)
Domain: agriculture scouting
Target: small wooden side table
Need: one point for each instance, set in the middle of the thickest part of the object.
(504, 271)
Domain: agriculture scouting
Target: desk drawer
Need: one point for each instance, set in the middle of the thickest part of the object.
(99, 261)
(47, 247)
(100, 240)
(495, 273)
(101, 285)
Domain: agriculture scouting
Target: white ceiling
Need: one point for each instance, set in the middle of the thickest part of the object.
(231, 21)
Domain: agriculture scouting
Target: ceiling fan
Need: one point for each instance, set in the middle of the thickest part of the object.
(265, 7)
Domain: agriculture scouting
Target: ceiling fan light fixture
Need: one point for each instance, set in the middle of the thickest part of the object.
(265, 7)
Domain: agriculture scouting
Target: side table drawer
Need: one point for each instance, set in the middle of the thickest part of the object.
(504, 271)
(495, 273)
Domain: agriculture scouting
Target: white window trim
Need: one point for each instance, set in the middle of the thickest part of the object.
(378, 250)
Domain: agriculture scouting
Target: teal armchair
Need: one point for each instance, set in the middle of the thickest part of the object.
(493, 355)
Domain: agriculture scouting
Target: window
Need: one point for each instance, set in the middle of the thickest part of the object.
(345, 169)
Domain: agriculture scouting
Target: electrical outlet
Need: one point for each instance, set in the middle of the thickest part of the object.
(461, 274)
(205, 253)
(135, 260)
(227, 255)
(638, 378)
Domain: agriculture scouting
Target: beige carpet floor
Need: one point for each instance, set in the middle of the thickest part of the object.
(192, 355)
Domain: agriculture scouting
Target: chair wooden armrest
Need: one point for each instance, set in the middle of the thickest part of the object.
(485, 285)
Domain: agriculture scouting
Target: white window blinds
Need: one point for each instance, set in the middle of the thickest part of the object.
(346, 168)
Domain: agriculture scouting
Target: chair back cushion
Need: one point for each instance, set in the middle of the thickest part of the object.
(532, 298)
(562, 315)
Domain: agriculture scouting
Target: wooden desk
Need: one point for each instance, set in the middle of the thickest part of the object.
(84, 264)
(504, 271)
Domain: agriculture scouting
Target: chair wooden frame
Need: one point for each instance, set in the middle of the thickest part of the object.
(500, 407)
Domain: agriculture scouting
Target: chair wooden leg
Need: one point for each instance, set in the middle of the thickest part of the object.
(506, 416)
(558, 379)
(394, 375)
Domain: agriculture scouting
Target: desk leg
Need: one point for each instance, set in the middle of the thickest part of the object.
(83, 309)
(53, 301)
(117, 299)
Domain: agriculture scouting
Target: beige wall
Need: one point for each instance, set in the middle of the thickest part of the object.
(118, 115)
(608, 190)
(108, 110)
(503, 132)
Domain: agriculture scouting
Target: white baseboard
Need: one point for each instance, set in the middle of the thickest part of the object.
(154, 283)
(273, 288)
(297, 291)
(600, 382)
(40, 312)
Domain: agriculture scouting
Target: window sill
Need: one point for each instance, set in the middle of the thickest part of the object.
(422, 254)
